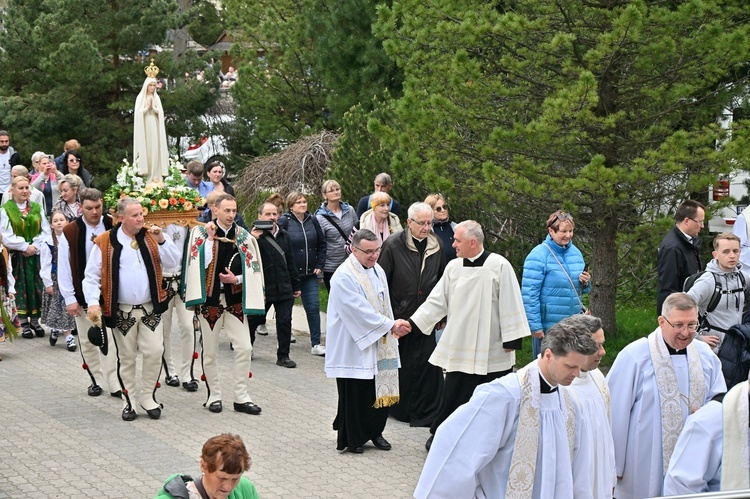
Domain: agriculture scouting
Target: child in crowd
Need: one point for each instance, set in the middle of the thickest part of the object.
(10, 324)
(54, 313)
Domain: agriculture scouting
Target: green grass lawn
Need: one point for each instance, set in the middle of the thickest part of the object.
(633, 322)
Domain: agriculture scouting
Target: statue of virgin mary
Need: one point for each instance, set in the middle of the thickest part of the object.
(150, 153)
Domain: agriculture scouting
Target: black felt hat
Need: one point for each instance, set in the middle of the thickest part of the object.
(98, 337)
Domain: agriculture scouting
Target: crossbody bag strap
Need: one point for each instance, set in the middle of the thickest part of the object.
(273, 242)
(199, 485)
(330, 219)
(575, 290)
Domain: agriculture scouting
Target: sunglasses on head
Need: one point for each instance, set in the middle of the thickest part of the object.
(560, 216)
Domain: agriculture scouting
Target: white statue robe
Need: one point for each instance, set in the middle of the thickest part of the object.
(696, 461)
(472, 451)
(636, 414)
(353, 326)
(588, 389)
(484, 309)
(150, 151)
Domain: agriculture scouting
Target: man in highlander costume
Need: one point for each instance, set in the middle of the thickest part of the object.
(124, 269)
(223, 279)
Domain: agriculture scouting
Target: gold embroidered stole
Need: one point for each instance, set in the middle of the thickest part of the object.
(670, 397)
(386, 379)
(598, 379)
(526, 446)
(735, 459)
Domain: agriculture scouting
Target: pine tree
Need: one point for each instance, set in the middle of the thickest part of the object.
(604, 108)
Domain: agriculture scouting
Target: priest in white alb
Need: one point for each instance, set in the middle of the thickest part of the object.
(713, 451)
(520, 436)
(362, 346)
(480, 295)
(655, 383)
(592, 393)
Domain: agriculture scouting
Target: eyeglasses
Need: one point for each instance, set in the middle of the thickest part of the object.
(441, 208)
(369, 252)
(678, 328)
(73, 159)
(422, 224)
(560, 216)
(699, 222)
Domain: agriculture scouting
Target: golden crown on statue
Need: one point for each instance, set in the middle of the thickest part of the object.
(151, 70)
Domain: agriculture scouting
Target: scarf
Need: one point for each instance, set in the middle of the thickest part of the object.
(194, 271)
(669, 391)
(27, 227)
(386, 378)
(526, 446)
(735, 461)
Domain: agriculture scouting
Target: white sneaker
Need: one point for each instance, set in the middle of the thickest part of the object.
(262, 330)
(318, 350)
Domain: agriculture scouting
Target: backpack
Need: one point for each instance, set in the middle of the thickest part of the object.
(718, 290)
(715, 297)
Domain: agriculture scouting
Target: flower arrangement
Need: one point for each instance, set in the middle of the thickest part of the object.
(171, 194)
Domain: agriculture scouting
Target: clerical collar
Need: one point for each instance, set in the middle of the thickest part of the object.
(476, 261)
(672, 351)
(544, 386)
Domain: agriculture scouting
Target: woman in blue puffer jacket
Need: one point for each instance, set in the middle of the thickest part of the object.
(554, 279)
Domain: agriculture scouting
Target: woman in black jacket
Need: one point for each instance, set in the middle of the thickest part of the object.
(73, 164)
(309, 249)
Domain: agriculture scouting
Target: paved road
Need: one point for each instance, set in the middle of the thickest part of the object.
(58, 442)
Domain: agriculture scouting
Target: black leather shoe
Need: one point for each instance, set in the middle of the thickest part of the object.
(215, 406)
(117, 394)
(355, 450)
(191, 386)
(428, 443)
(128, 415)
(39, 330)
(286, 362)
(381, 443)
(154, 413)
(27, 333)
(247, 408)
(95, 390)
(173, 380)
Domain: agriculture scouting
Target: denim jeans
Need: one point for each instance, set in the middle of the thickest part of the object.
(536, 347)
(311, 302)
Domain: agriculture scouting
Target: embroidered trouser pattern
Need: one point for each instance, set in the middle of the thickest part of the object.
(212, 319)
(187, 345)
(144, 334)
(101, 368)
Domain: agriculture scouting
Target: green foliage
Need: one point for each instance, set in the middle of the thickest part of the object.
(351, 62)
(206, 24)
(305, 63)
(605, 109)
(361, 154)
(278, 90)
